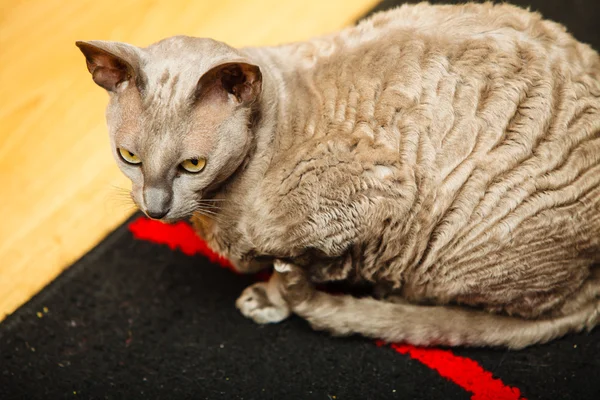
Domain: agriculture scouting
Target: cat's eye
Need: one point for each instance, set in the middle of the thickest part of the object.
(194, 165)
(129, 157)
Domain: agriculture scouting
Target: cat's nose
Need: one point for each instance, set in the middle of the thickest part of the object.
(157, 214)
(157, 202)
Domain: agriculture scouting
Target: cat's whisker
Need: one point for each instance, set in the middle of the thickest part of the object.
(120, 198)
(123, 197)
(212, 200)
(120, 189)
(210, 207)
(207, 206)
(208, 211)
(120, 192)
(120, 203)
(214, 217)
(126, 207)
(203, 201)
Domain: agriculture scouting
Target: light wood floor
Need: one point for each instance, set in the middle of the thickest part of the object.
(57, 178)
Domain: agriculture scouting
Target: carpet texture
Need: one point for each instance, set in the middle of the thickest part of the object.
(149, 313)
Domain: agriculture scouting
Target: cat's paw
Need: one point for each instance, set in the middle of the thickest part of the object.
(294, 285)
(254, 303)
(282, 267)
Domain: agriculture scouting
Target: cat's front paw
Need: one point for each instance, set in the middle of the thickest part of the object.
(254, 303)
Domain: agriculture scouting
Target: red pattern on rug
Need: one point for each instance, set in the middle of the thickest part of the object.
(464, 372)
(178, 236)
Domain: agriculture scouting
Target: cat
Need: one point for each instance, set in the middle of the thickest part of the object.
(447, 157)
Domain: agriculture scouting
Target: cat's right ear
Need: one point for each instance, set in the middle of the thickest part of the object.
(112, 64)
(239, 82)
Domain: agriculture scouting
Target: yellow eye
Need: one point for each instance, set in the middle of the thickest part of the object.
(129, 157)
(194, 165)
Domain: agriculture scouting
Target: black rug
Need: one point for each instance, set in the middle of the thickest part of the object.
(147, 315)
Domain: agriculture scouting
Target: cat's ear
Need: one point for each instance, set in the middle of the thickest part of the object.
(111, 63)
(239, 81)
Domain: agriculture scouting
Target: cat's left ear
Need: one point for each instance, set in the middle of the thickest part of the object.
(237, 81)
(112, 64)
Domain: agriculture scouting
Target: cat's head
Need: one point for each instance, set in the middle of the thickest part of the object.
(178, 116)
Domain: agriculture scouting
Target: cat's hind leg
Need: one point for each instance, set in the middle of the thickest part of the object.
(587, 293)
(262, 302)
(429, 325)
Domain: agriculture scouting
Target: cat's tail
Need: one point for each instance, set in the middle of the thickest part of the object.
(433, 325)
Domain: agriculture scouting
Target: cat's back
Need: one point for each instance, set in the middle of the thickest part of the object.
(484, 111)
(463, 25)
(363, 79)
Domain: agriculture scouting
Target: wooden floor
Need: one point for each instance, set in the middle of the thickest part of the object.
(57, 177)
